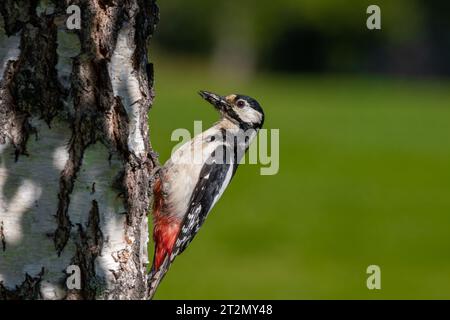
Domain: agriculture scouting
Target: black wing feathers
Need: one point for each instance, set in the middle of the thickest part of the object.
(212, 177)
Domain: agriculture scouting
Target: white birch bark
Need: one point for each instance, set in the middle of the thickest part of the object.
(75, 157)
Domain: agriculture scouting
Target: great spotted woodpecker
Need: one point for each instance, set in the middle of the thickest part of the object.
(196, 175)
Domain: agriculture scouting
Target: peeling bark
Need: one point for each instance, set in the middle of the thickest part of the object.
(76, 163)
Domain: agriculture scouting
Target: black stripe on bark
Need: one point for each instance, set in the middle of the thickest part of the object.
(2, 236)
(89, 246)
(28, 290)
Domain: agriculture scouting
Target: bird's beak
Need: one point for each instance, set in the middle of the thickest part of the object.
(217, 101)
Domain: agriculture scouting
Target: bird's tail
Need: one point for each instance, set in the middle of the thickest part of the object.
(155, 277)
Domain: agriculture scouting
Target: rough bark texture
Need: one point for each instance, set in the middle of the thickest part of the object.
(76, 162)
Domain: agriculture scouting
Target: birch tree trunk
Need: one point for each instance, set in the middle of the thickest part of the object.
(75, 157)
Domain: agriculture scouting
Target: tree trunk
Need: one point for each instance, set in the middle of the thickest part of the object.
(76, 162)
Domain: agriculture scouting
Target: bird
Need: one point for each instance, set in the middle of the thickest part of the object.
(194, 178)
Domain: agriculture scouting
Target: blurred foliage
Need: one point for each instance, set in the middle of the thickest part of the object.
(309, 35)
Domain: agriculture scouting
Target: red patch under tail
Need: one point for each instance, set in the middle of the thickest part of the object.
(165, 234)
(165, 230)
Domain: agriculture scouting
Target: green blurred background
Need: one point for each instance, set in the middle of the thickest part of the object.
(364, 123)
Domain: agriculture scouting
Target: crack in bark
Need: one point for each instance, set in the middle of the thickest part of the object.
(13, 123)
(16, 13)
(33, 77)
(116, 128)
(89, 247)
(28, 290)
(66, 184)
(36, 80)
(2, 236)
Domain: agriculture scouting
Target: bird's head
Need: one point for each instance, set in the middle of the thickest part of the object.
(241, 110)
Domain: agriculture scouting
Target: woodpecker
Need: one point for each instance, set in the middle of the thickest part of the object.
(192, 181)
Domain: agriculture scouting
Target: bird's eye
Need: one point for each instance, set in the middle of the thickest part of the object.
(241, 103)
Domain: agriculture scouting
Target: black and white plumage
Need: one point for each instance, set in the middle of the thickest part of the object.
(195, 177)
